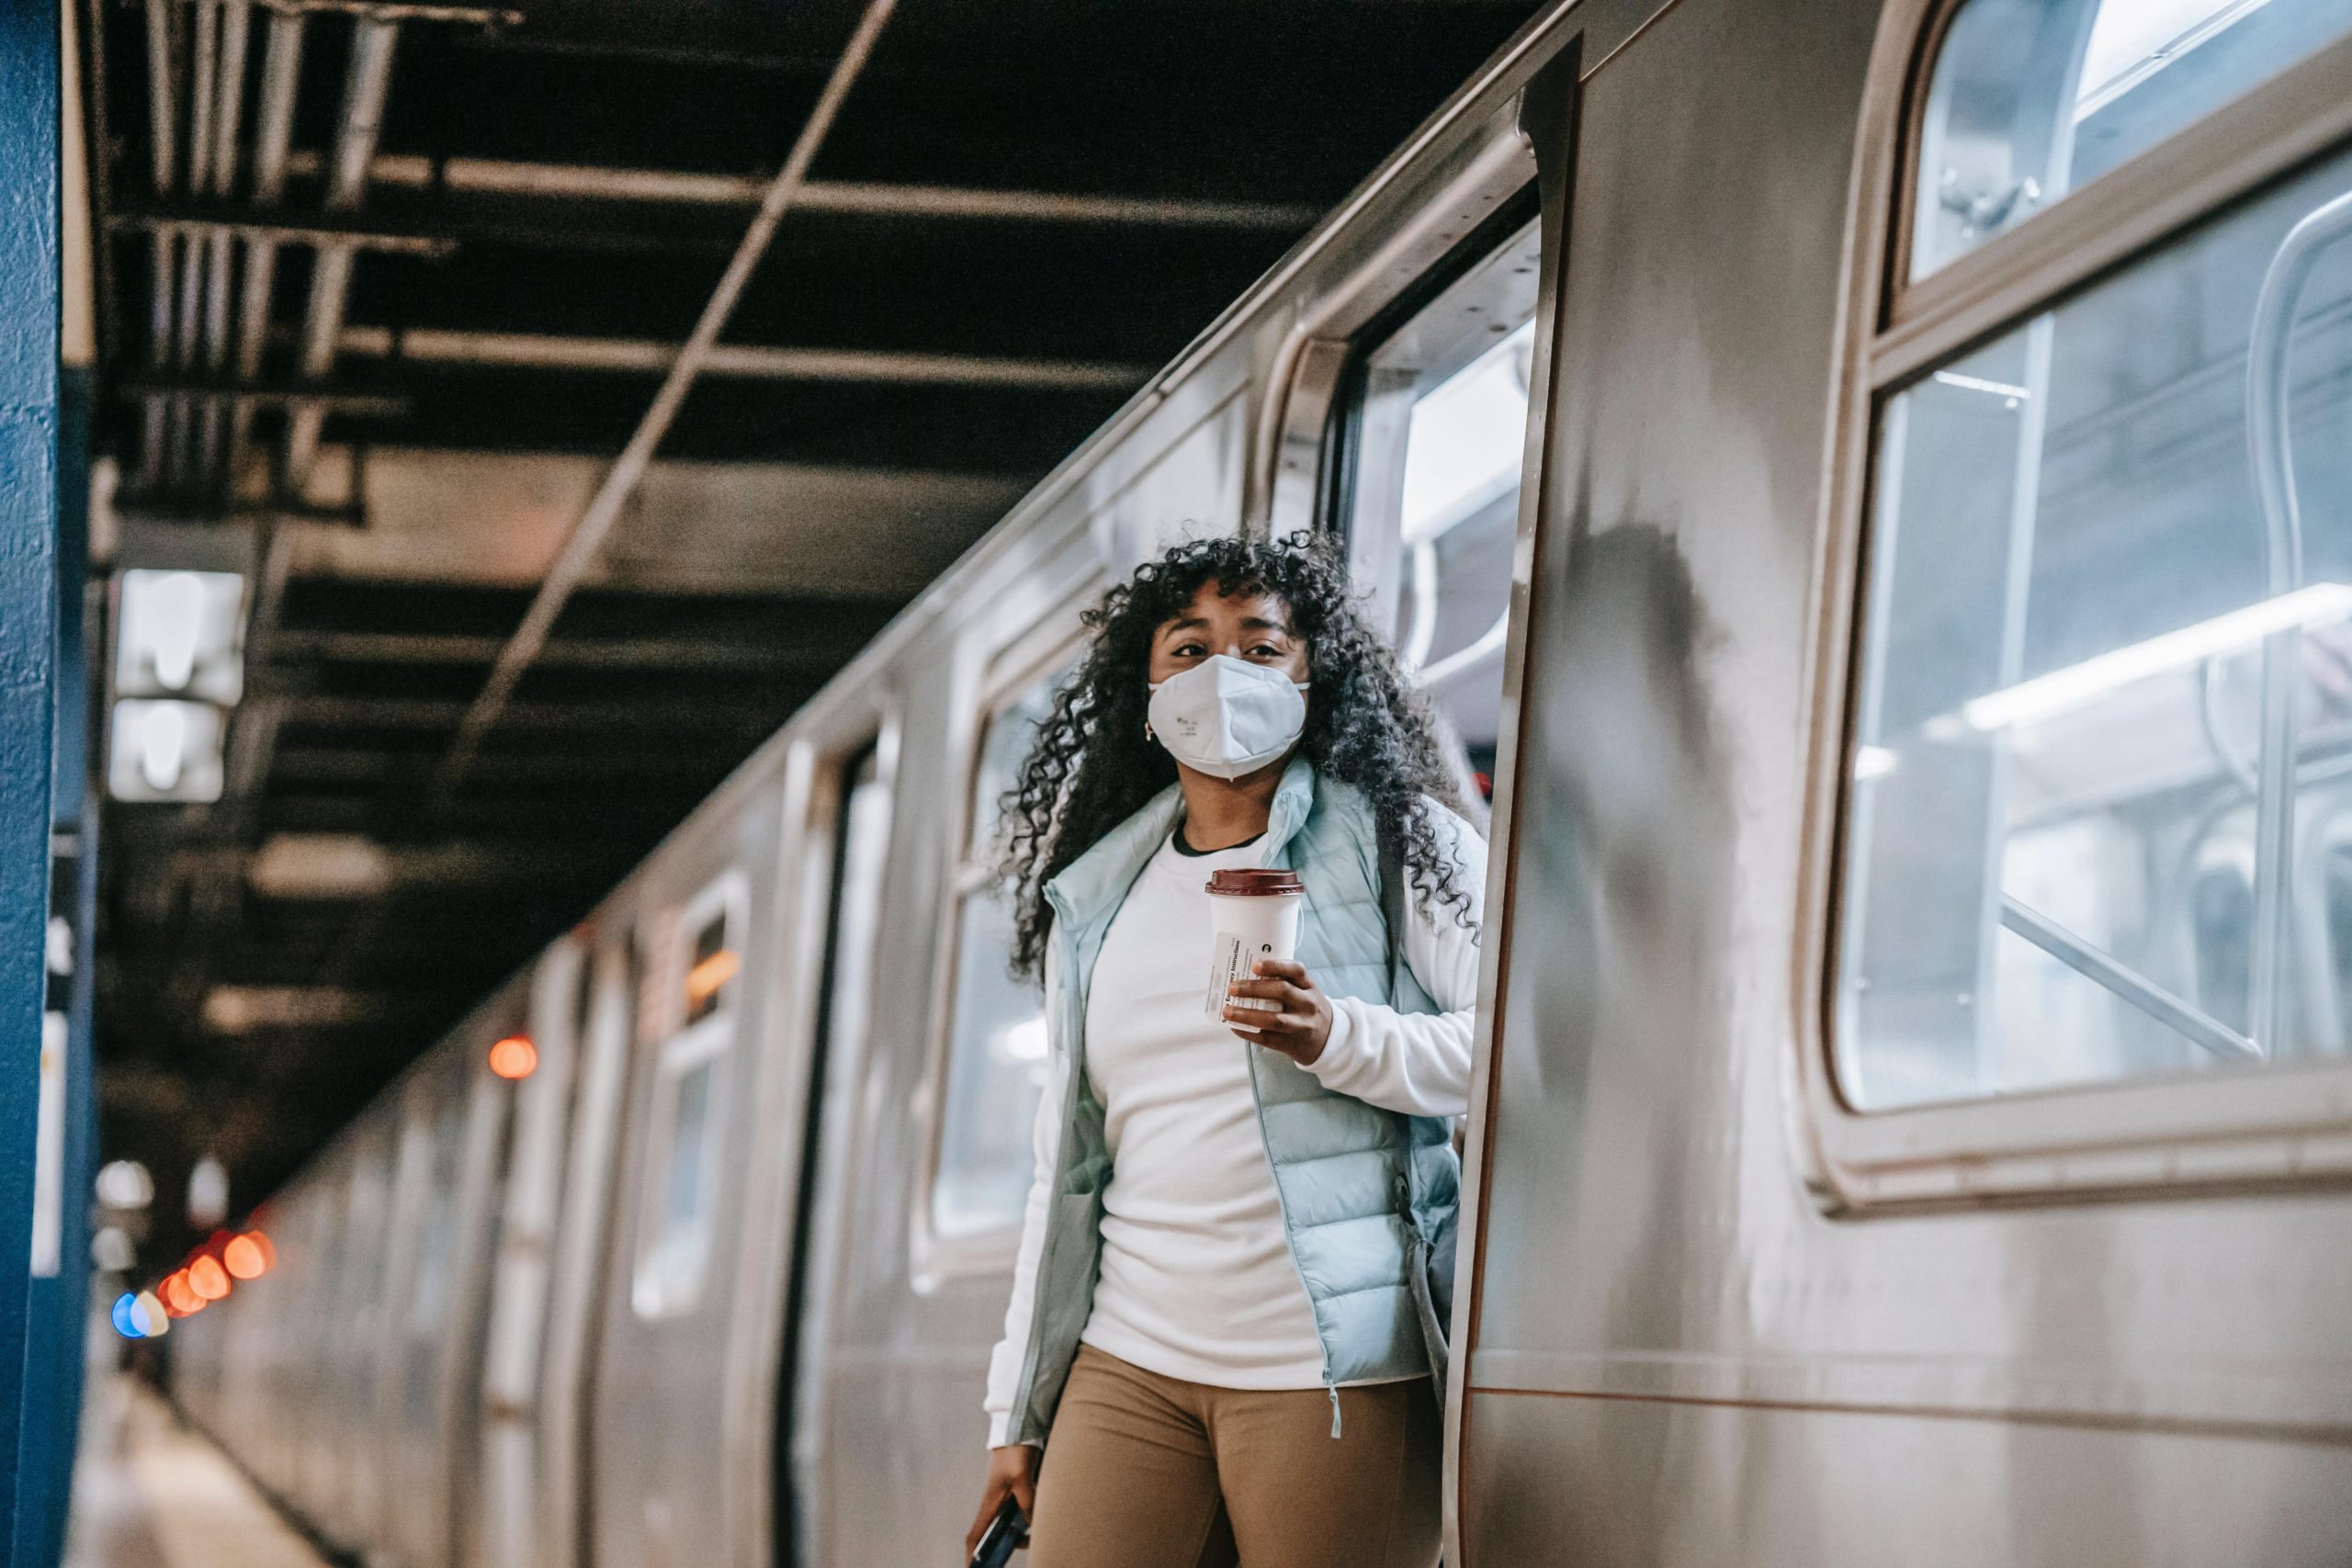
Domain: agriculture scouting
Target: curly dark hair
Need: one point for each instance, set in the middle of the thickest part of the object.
(1092, 766)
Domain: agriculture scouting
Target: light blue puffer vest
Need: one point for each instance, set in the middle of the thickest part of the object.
(1368, 1196)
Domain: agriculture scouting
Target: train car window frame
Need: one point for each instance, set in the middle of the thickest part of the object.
(2114, 1136)
(673, 1256)
(1017, 672)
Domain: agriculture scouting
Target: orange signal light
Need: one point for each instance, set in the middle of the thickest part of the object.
(704, 978)
(179, 1297)
(260, 1239)
(243, 1257)
(208, 1278)
(513, 1057)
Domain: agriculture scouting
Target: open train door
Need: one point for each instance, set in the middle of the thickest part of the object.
(1547, 117)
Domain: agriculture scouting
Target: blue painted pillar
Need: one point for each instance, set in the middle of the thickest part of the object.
(57, 1307)
(29, 383)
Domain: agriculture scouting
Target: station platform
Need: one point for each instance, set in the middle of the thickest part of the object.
(151, 1492)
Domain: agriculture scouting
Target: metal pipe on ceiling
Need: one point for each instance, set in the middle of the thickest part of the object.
(253, 736)
(590, 721)
(320, 231)
(498, 176)
(951, 201)
(228, 116)
(196, 260)
(740, 361)
(587, 535)
(219, 272)
(363, 115)
(363, 112)
(162, 120)
(151, 416)
(200, 92)
(274, 134)
(98, 163)
(220, 175)
(280, 74)
(180, 427)
(187, 319)
(404, 11)
(575, 653)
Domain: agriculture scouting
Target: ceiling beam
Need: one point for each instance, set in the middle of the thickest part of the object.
(578, 182)
(360, 122)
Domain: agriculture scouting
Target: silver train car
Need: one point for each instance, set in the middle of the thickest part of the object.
(1867, 482)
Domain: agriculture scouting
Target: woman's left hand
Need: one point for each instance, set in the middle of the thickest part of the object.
(1304, 1023)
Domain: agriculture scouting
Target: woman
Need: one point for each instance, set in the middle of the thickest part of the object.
(1229, 1299)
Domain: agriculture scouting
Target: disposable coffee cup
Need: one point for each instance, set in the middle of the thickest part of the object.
(1252, 915)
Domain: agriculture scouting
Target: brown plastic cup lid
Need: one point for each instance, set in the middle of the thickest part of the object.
(1254, 883)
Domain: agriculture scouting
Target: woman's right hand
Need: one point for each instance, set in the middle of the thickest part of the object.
(1011, 1471)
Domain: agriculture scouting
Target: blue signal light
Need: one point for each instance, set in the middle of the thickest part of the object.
(126, 1320)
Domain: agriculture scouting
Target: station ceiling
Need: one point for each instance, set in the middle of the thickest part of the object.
(461, 246)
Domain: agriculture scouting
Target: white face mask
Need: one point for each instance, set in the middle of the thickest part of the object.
(1226, 716)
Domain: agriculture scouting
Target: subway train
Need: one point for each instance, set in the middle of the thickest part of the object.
(1868, 483)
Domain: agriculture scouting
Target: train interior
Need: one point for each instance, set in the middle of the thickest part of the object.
(2065, 732)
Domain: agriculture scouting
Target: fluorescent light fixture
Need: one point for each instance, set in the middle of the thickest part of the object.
(182, 635)
(2076, 685)
(111, 1250)
(125, 1184)
(2007, 391)
(248, 1010)
(164, 751)
(162, 746)
(2133, 39)
(319, 865)
(1023, 1042)
(1873, 763)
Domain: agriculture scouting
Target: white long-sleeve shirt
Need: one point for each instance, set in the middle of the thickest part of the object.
(1197, 1281)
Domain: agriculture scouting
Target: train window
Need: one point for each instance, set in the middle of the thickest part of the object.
(996, 1048)
(1440, 438)
(583, 1000)
(2109, 607)
(2033, 98)
(861, 856)
(689, 1079)
(437, 1244)
(711, 968)
(368, 1221)
(676, 1232)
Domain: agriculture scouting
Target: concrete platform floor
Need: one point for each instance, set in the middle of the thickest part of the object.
(149, 1493)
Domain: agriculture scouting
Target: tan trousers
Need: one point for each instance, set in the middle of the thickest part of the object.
(1147, 1471)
